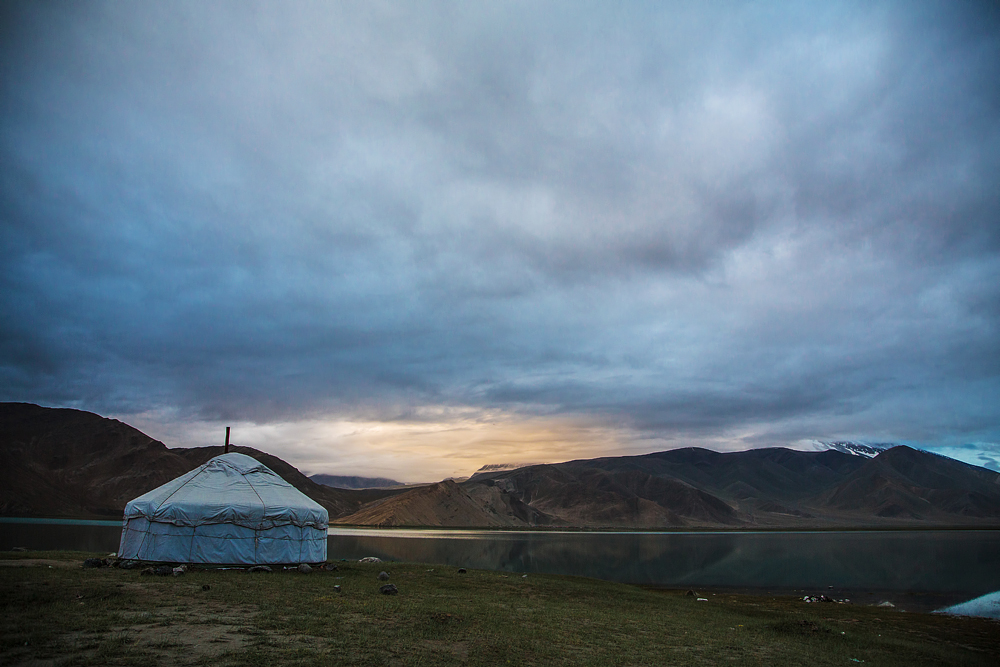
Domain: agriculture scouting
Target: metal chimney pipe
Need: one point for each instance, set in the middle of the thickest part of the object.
(227, 440)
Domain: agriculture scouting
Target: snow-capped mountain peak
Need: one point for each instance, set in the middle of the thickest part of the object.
(502, 467)
(869, 450)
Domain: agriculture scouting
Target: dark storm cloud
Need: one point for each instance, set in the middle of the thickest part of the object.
(686, 220)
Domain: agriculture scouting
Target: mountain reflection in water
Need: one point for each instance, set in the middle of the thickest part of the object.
(960, 561)
(955, 561)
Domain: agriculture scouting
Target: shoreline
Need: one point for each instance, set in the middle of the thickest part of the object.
(912, 601)
(866, 528)
(669, 530)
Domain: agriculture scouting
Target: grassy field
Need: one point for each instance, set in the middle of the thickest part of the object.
(53, 612)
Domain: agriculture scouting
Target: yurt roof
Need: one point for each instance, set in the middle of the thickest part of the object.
(232, 488)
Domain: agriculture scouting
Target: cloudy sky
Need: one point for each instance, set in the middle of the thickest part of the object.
(408, 239)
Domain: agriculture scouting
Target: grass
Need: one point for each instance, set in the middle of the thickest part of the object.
(71, 616)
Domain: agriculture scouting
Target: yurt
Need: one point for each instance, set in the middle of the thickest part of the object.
(232, 510)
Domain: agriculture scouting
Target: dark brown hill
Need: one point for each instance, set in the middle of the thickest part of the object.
(579, 494)
(57, 462)
(764, 487)
(62, 462)
(442, 504)
(771, 474)
(904, 483)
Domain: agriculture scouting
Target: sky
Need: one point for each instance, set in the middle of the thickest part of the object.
(409, 239)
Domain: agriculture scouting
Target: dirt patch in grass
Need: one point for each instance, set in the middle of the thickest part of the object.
(196, 641)
(200, 635)
(107, 617)
(456, 649)
(801, 628)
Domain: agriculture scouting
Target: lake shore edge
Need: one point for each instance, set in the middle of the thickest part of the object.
(90, 520)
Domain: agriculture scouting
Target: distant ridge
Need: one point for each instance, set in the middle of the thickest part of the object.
(354, 482)
(69, 463)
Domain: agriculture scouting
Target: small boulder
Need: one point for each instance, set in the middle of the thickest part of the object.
(259, 568)
(128, 564)
(370, 559)
(178, 571)
(462, 570)
(330, 567)
(383, 576)
(304, 568)
(206, 587)
(336, 589)
(388, 589)
(94, 562)
(163, 571)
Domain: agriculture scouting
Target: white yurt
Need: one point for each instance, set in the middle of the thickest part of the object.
(232, 510)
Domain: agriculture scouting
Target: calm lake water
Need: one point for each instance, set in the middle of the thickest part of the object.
(964, 562)
(955, 562)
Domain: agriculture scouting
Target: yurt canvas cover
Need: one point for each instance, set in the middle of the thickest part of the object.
(231, 510)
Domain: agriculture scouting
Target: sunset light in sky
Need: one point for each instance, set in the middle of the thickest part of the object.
(409, 239)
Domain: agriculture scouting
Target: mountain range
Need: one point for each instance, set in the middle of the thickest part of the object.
(773, 487)
(61, 462)
(354, 482)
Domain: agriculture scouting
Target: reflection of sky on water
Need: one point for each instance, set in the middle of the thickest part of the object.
(962, 562)
(916, 561)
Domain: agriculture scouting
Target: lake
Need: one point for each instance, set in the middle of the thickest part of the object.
(960, 563)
